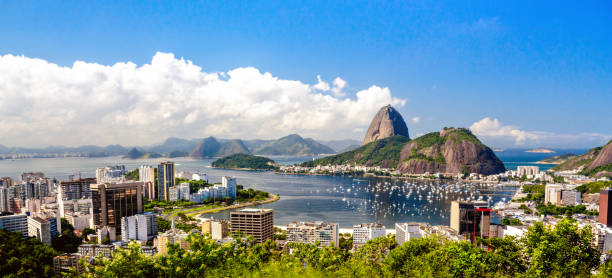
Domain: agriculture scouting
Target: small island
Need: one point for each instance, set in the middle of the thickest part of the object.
(540, 150)
(245, 161)
(137, 154)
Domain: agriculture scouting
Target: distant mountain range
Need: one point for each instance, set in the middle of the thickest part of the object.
(210, 147)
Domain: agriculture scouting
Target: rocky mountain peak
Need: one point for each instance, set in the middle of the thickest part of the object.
(387, 122)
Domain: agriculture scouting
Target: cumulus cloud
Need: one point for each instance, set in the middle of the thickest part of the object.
(493, 132)
(415, 120)
(42, 103)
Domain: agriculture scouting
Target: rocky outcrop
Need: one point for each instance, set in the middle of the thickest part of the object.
(603, 158)
(387, 122)
(453, 150)
(210, 147)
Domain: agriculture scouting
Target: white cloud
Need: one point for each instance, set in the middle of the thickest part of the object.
(415, 120)
(494, 133)
(42, 103)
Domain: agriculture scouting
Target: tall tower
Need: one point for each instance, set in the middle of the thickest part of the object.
(605, 207)
(165, 179)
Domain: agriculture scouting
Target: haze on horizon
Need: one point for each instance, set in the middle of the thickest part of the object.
(519, 75)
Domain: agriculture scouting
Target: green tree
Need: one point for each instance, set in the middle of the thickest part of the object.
(21, 257)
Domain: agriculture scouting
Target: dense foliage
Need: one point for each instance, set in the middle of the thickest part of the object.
(593, 187)
(550, 209)
(244, 161)
(563, 251)
(21, 257)
(384, 153)
(66, 241)
(133, 175)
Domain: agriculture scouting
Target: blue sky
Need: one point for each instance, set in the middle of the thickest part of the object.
(542, 68)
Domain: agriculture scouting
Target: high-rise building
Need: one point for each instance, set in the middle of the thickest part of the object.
(527, 171)
(4, 199)
(40, 229)
(258, 223)
(551, 193)
(76, 189)
(6, 181)
(311, 232)
(110, 174)
(165, 179)
(406, 231)
(230, 185)
(141, 227)
(179, 192)
(605, 207)
(17, 223)
(113, 201)
(362, 233)
(471, 219)
(146, 174)
(217, 229)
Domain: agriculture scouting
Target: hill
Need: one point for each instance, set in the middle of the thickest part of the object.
(210, 147)
(557, 159)
(452, 150)
(134, 153)
(387, 122)
(244, 161)
(384, 153)
(597, 162)
(292, 145)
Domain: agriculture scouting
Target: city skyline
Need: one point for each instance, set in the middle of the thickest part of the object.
(200, 69)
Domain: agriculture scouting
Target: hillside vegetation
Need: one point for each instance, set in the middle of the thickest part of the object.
(244, 161)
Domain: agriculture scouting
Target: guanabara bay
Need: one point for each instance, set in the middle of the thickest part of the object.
(254, 139)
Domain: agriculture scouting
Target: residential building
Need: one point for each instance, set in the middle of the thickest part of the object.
(172, 236)
(110, 174)
(551, 193)
(258, 223)
(4, 198)
(95, 250)
(68, 207)
(605, 207)
(406, 231)
(17, 223)
(106, 233)
(76, 189)
(80, 221)
(141, 227)
(39, 228)
(32, 176)
(111, 202)
(165, 179)
(528, 171)
(362, 233)
(64, 262)
(312, 232)
(570, 198)
(230, 184)
(146, 173)
(6, 181)
(217, 229)
(179, 192)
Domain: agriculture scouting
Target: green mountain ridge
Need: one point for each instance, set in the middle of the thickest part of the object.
(597, 162)
(244, 161)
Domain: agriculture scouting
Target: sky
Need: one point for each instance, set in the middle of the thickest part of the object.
(519, 74)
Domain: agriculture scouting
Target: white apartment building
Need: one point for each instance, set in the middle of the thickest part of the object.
(15, 223)
(362, 233)
(40, 229)
(227, 188)
(550, 193)
(146, 173)
(406, 231)
(68, 207)
(528, 171)
(141, 227)
(311, 232)
(179, 192)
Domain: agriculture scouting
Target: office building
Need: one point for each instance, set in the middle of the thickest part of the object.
(111, 202)
(63, 263)
(110, 174)
(17, 223)
(76, 189)
(146, 173)
(4, 199)
(326, 234)
(406, 231)
(362, 233)
(95, 250)
(605, 207)
(471, 219)
(165, 179)
(39, 228)
(141, 227)
(217, 229)
(258, 223)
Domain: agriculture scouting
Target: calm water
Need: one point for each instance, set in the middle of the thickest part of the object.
(345, 200)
